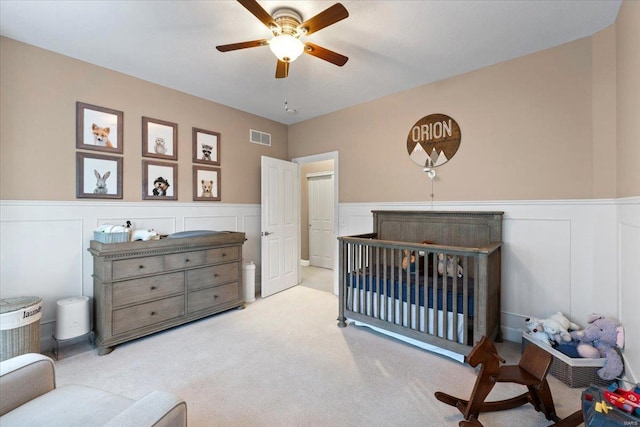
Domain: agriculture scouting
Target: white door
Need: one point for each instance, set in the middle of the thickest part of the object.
(280, 201)
(321, 238)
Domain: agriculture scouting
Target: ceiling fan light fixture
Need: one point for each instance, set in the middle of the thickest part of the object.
(286, 48)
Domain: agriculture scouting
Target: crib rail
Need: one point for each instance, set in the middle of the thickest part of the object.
(453, 279)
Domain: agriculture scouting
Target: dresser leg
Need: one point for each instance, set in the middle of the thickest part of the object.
(103, 351)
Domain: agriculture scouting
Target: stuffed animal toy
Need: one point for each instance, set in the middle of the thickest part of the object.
(409, 258)
(558, 327)
(452, 270)
(602, 337)
(536, 331)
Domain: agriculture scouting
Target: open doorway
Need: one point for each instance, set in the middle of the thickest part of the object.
(316, 173)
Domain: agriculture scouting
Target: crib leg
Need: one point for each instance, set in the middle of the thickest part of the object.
(342, 322)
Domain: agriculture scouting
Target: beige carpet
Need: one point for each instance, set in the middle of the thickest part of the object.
(282, 361)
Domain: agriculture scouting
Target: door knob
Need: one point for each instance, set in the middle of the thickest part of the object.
(266, 233)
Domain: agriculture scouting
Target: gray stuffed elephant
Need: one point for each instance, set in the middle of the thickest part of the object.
(602, 337)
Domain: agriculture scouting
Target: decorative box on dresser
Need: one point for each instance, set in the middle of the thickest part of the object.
(144, 287)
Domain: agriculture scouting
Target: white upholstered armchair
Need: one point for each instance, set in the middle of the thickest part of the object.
(29, 397)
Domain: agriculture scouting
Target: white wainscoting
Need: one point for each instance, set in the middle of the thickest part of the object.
(557, 255)
(629, 283)
(44, 245)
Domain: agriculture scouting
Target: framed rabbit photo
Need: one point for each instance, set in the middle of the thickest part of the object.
(206, 184)
(159, 139)
(99, 128)
(159, 180)
(98, 176)
(206, 147)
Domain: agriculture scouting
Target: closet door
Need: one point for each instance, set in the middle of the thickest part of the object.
(321, 221)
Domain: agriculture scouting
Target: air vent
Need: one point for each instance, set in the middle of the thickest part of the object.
(261, 138)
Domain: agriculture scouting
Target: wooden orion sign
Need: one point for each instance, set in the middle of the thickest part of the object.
(433, 140)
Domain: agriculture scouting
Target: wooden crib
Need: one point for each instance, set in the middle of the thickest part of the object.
(429, 276)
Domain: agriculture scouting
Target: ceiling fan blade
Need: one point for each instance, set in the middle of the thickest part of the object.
(242, 45)
(282, 69)
(329, 16)
(257, 11)
(326, 54)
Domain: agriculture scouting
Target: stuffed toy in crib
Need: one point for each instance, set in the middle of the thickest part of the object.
(452, 270)
(409, 259)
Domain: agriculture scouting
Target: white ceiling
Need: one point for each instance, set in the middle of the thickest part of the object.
(392, 45)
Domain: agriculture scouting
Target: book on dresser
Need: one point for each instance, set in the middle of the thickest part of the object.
(143, 287)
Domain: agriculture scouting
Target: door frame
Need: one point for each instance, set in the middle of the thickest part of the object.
(332, 155)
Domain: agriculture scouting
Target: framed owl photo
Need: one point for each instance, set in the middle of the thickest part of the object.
(206, 147)
(159, 139)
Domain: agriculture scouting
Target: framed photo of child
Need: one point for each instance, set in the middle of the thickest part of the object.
(99, 128)
(206, 184)
(206, 147)
(159, 180)
(98, 176)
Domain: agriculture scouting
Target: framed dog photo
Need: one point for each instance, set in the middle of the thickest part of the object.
(206, 184)
(99, 128)
(98, 176)
(159, 180)
(159, 139)
(206, 147)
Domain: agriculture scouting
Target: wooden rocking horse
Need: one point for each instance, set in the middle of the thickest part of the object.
(531, 372)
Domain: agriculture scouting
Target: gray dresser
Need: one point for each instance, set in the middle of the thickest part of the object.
(144, 287)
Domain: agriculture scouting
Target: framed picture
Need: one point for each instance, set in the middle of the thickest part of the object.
(99, 128)
(206, 147)
(206, 183)
(159, 180)
(98, 176)
(159, 139)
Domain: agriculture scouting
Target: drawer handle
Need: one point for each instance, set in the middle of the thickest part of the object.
(186, 260)
(215, 297)
(153, 288)
(215, 274)
(224, 254)
(153, 313)
(141, 266)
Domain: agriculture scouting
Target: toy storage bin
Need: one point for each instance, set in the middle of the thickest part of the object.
(574, 372)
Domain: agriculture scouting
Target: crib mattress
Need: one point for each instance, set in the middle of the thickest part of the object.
(383, 284)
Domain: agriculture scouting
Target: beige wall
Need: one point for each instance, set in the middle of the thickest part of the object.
(37, 127)
(628, 99)
(556, 124)
(527, 132)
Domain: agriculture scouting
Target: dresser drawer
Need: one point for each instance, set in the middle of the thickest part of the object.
(146, 288)
(137, 267)
(230, 253)
(139, 316)
(211, 276)
(211, 297)
(183, 260)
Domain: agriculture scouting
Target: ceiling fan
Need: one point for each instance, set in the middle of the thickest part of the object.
(287, 27)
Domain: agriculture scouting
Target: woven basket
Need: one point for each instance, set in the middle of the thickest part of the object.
(20, 334)
(574, 372)
(118, 237)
